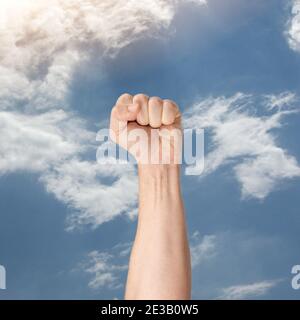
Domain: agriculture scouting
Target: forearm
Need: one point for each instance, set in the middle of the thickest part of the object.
(160, 260)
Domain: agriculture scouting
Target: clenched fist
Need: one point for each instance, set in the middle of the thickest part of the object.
(148, 128)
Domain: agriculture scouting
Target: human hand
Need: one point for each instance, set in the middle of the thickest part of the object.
(148, 128)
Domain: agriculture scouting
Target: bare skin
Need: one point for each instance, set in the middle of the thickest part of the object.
(159, 265)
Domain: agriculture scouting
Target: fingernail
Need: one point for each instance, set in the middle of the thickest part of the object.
(132, 107)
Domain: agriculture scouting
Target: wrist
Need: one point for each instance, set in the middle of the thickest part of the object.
(158, 171)
(162, 179)
(159, 194)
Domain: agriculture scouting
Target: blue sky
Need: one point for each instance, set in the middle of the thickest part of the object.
(66, 224)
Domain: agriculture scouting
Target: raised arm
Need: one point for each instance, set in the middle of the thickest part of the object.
(160, 261)
(159, 265)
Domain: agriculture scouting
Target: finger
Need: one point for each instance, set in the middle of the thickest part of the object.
(127, 112)
(155, 107)
(142, 117)
(170, 112)
(125, 98)
(125, 109)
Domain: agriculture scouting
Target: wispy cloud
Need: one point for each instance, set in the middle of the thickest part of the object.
(241, 131)
(42, 43)
(45, 41)
(40, 50)
(37, 142)
(281, 101)
(105, 268)
(104, 273)
(83, 186)
(293, 30)
(202, 248)
(248, 291)
(234, 271)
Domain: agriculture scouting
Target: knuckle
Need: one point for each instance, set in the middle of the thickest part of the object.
(155, 98)
(171, 103)
(125, 95)
(124, 98)
(118, 108)
(155, 101)
(140, 97)
(117, 111)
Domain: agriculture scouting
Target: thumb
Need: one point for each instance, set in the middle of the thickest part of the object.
(126, 112)
(121, 114)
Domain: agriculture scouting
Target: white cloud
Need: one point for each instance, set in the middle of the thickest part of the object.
(248, 291)
(293, 31)
(202, 249)
(82, 186)
(52, 144)
(236, 265)
(40, 31)
(41, 45)
(241, 130)
(36, 142)
(104, 273)
(280, 101)
(106, 268)
(259, 176)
